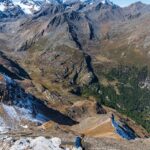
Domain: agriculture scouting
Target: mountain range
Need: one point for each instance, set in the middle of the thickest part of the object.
(16, 8)
(82, 59)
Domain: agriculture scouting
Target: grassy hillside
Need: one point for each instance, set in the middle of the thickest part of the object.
(131, 96)
(124, 89)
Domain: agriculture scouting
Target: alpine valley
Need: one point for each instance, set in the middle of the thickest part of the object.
(74, 68)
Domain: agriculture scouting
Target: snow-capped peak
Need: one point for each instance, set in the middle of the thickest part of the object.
(31, 6)
(2, 7)
(4, 4)
(28, 6)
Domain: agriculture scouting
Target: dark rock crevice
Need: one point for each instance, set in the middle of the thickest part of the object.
(11, 68)
(74, 35)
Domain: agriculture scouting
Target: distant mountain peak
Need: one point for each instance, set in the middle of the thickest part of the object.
(29, 7)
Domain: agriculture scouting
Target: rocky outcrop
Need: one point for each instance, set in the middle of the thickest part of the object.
(38, 143)
(60, 66)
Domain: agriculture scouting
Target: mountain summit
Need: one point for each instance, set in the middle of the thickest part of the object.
(29, 7)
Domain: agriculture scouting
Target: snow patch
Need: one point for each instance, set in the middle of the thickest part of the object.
(28, 7)
(2, 126)
(24, 126)
(8, 79)
(16, 113)
(11, 112)
(24, 107)
(2, 7)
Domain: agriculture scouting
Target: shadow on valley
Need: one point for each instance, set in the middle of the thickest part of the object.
(15, 71)
(3, 70)
(52, 114)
